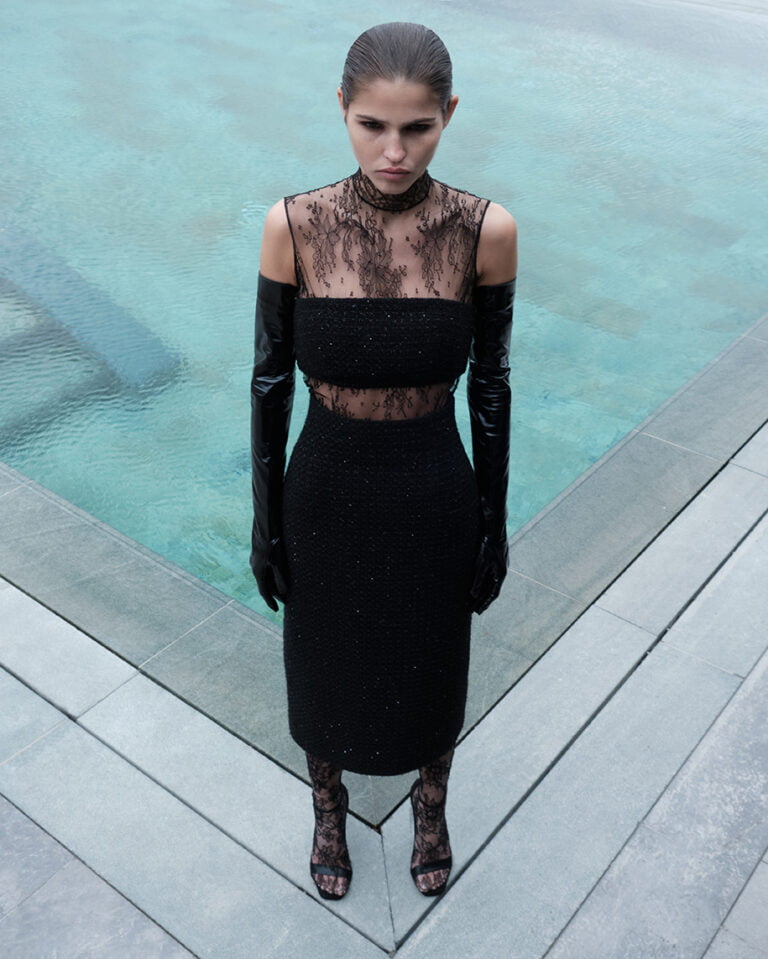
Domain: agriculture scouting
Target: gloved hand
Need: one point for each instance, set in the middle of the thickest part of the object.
(271, 404)
(489, 398)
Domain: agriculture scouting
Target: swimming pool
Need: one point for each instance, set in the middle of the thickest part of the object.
(142, 146)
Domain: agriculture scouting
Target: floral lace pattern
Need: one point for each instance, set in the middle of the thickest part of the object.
(431, 841)
(393, 202)
(329, 847)
(351, 241)
(347, 246)
(388, 403)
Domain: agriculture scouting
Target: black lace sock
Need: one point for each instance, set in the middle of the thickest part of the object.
(431, 845)
(329, 864)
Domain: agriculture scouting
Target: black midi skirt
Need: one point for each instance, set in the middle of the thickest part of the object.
(381, 520)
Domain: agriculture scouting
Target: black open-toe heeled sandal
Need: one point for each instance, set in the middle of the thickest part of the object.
(435, 865)
(323, 869)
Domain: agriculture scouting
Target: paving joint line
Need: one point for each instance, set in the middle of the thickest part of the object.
(218, 827)
(528, 792)
(186, 632)
(232, 732)
(69, 622)
(713, 573)
(67, 717)
(657, 639)
(36, 740)
(643, 824)
(95, 872)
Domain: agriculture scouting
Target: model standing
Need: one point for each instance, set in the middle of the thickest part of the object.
(380, 537)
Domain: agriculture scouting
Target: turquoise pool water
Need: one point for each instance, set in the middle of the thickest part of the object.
(141, 145)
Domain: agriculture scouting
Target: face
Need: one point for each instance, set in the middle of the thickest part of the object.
(394, 127)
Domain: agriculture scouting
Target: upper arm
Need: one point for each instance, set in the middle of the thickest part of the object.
(277, 258)
(497, 247)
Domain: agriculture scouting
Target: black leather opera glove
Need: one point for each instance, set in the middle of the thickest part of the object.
(271, 403)
(489, 398)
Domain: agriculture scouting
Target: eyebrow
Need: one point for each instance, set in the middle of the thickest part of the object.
(366, 116)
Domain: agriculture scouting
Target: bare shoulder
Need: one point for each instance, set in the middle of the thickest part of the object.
(497, 247)
(277, 260)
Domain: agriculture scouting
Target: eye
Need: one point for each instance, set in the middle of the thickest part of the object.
(371, 124)
(419, 127)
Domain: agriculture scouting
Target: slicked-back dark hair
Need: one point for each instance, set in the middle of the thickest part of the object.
(398, 51)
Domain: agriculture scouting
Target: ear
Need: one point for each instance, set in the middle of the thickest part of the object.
(340, 97)
(450, 109)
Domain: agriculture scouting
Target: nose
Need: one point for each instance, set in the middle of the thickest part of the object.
(394, 152)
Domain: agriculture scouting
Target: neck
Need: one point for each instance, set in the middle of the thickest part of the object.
(391, 202)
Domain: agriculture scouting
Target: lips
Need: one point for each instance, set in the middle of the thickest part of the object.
(394, 174)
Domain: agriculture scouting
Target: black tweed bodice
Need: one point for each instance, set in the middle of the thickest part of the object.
(367, 343)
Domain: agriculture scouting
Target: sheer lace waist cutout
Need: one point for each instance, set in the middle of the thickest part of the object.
(381, 403)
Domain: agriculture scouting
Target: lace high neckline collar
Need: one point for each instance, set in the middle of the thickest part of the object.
(391, 202)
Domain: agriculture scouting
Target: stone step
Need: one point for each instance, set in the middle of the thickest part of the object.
(136, 355)
(201, 885)
(51, 904)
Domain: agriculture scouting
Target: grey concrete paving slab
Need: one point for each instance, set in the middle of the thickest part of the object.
(27, 519)
(554, 849)
(201, 886)
(4, 584)
(77, 914)
(242, 792)
(748, 920)
(65, 666)
(662, 579)
(523, 622)
(44, 511)
(754, 456)
(650, 895)
(28, 858)
(503, 757)
(8, 481)
(114, 607)
(605, 520)
(26, 716)
(727, 946)
(374, 797)
(494, 667)
(680, 873)
(726, 625)
(760, 330)
(92, 576)
(722, 405)
(231, 668)
(455, 929)
(44, 545)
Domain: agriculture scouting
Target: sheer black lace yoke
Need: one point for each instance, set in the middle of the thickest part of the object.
(383, 320)
(347, 246)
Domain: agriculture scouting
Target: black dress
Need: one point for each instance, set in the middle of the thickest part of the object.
(380, 510)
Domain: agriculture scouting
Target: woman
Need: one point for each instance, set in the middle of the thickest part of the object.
(380, 538)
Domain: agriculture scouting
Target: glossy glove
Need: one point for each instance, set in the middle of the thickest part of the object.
(489, 399)
(271, 404)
